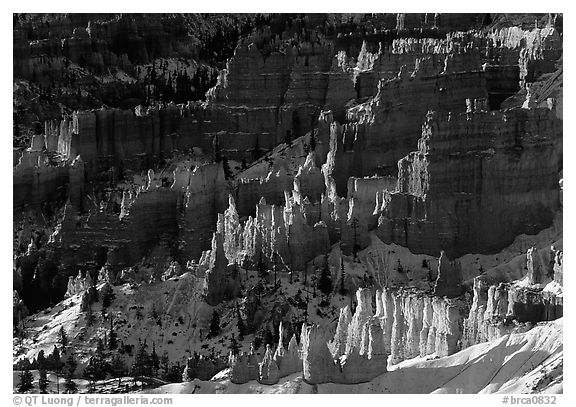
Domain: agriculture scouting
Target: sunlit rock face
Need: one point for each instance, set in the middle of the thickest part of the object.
(514, 301)
(405, 324)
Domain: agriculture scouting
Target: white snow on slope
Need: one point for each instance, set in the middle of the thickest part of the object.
(519, 363)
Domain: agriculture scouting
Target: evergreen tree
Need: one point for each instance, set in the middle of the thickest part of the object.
(107, 294)
(342, 288)
(62, 338)
(175, 373)
(112, 339)
(154, 313)
(71, 364)
(214, 325)
(325, 281)
(141, 365)
(154, 360)
(26, 379)
(268, 337)
(70, 385)
(41, 359)
(70, 368)
(99, 361)
(226, 167)
(262, 272)
(90, 318)
(56, 363)
(216, 148)
(42, 380)
(312, 142)
(164, 365)
(90, 374)
(356, 246)
(256, 343)
(240, 324)
(234, 346)
(118, 367)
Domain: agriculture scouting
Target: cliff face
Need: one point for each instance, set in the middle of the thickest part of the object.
(359, 148)
(461, 190)
(36, 180)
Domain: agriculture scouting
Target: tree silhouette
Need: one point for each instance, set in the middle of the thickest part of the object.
(62, 338)
(56, 363)
(141, 365)
(214, 325)
(26, 379)
(70, 367)
(342, 288)
(356, 246)
(42, 380)
(325, 280)
(234, 345)
(240, 324)
(118, 367)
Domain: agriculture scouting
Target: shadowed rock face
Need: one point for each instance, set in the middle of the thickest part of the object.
(498, 181)
(449, 280)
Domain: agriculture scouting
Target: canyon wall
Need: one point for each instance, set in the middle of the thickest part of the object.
(454, 191)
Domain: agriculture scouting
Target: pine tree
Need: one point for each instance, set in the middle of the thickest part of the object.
(71, 364)
(214, 325)
(70, 385)
(216, 148)
(118, 367)
(267, 337)
(90, 318)
(356, 246)
(240, 324)
(26, 379)
(226, 167)
(154, 313)
(41, 359)
(62, 338)
(107, 294)
(141, 365)
(234, 345)
(42, 380)
(165, 365)
(154, 360)
(90, 374)
(342, 289)
(70, 367)
(312, 142)
(112, 338)
(325, 281)
(56, 363)
(99, 361)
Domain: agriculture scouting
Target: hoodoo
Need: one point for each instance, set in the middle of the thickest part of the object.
(288, 203)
